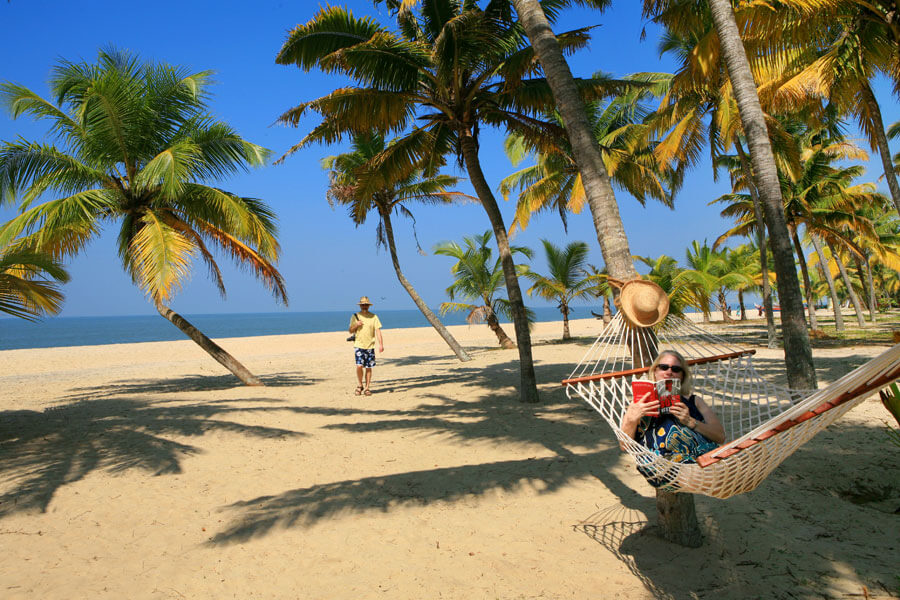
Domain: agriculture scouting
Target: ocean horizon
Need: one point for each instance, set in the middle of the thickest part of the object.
(18, 334)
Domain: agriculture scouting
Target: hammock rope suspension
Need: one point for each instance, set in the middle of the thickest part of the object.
(766, 423)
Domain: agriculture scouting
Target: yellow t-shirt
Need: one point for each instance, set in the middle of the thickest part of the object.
(365, 336)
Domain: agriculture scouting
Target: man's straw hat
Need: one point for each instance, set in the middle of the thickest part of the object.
(643, 303)
(365, 300)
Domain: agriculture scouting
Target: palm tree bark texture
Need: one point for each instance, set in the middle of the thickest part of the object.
(676, 513)
(598, 189)
(797, 351)
(527, 389)
(461, 354)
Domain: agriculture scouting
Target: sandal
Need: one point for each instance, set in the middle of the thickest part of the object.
(359, 390)
(368, 392)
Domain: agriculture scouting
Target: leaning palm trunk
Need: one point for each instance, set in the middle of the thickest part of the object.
(676, 514)
(595, 179)
(807, 283)
(797, 351)
(876, 125)
(212, 348)
(832, 290)
(429, 315)
(854, 299)
(527, 380)
(771, 334)
(502, 338)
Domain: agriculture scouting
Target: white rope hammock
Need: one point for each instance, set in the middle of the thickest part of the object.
(765, 422)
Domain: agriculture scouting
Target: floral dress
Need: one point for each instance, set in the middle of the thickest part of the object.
(666, 436)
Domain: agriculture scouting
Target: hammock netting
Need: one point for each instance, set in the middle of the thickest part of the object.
(765, 423)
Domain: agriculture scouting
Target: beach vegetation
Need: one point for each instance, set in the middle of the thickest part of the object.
(478, 277)
(567, 279)
(136, 147)
(30, 283)
(664, 271)
(711, 273)
(347, 174)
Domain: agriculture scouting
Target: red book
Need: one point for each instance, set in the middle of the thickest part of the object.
(667, 391)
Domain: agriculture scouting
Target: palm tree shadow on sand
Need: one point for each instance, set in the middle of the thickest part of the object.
(42, 451)
(186, 384)
(741, 534)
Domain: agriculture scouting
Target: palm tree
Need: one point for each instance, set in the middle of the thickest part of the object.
(712, 272)
(478, 276)
(135, 143)
(838, 48)
(566, 281)
(345, 172)
(569, 96)
(442, 75)
(29, 283)
(598, 189)
(744, 260)
(798, 352)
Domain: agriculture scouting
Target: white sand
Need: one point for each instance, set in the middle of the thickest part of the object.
(143, 471)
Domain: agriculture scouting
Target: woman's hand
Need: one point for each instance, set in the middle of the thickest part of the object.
(635, 412)
(642, 408)
(680, 411)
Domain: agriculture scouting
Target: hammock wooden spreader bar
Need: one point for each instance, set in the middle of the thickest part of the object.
(642, 370)
(765, 422)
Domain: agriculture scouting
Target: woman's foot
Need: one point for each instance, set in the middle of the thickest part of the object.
(368, 392)
(359, 390)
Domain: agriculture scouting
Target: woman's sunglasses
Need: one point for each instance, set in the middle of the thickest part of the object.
(664, 367)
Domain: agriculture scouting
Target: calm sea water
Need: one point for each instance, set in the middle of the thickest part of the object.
(92, 331)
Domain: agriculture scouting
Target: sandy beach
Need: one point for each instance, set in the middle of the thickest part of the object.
(145, 471)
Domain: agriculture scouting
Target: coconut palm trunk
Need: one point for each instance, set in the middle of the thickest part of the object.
(595, 179)
(494, 323)
(527, 380)
(723, 306)
(832, 290)
(845, 277)
(807, 281)
(876, 125)
(676, 513)
(212, 348)
(865, 274)
(429, 315)
(564, 309)
(797, 351)
(771, 333)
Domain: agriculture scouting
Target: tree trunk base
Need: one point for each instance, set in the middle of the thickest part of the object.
(677, 519)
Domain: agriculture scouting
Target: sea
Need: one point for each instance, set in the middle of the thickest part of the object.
(92, 331)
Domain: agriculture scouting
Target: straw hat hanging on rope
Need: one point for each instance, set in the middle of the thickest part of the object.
(643, 303)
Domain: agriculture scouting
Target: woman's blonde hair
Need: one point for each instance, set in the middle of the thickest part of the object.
(686, 386)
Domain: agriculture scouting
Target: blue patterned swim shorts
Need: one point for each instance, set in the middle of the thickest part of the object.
(365, 358)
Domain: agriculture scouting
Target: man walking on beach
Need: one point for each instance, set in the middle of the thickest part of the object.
(367, 328)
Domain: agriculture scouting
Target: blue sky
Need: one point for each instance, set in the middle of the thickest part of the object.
(327, 262)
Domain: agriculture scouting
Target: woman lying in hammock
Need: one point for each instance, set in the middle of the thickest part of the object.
(690, 429)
